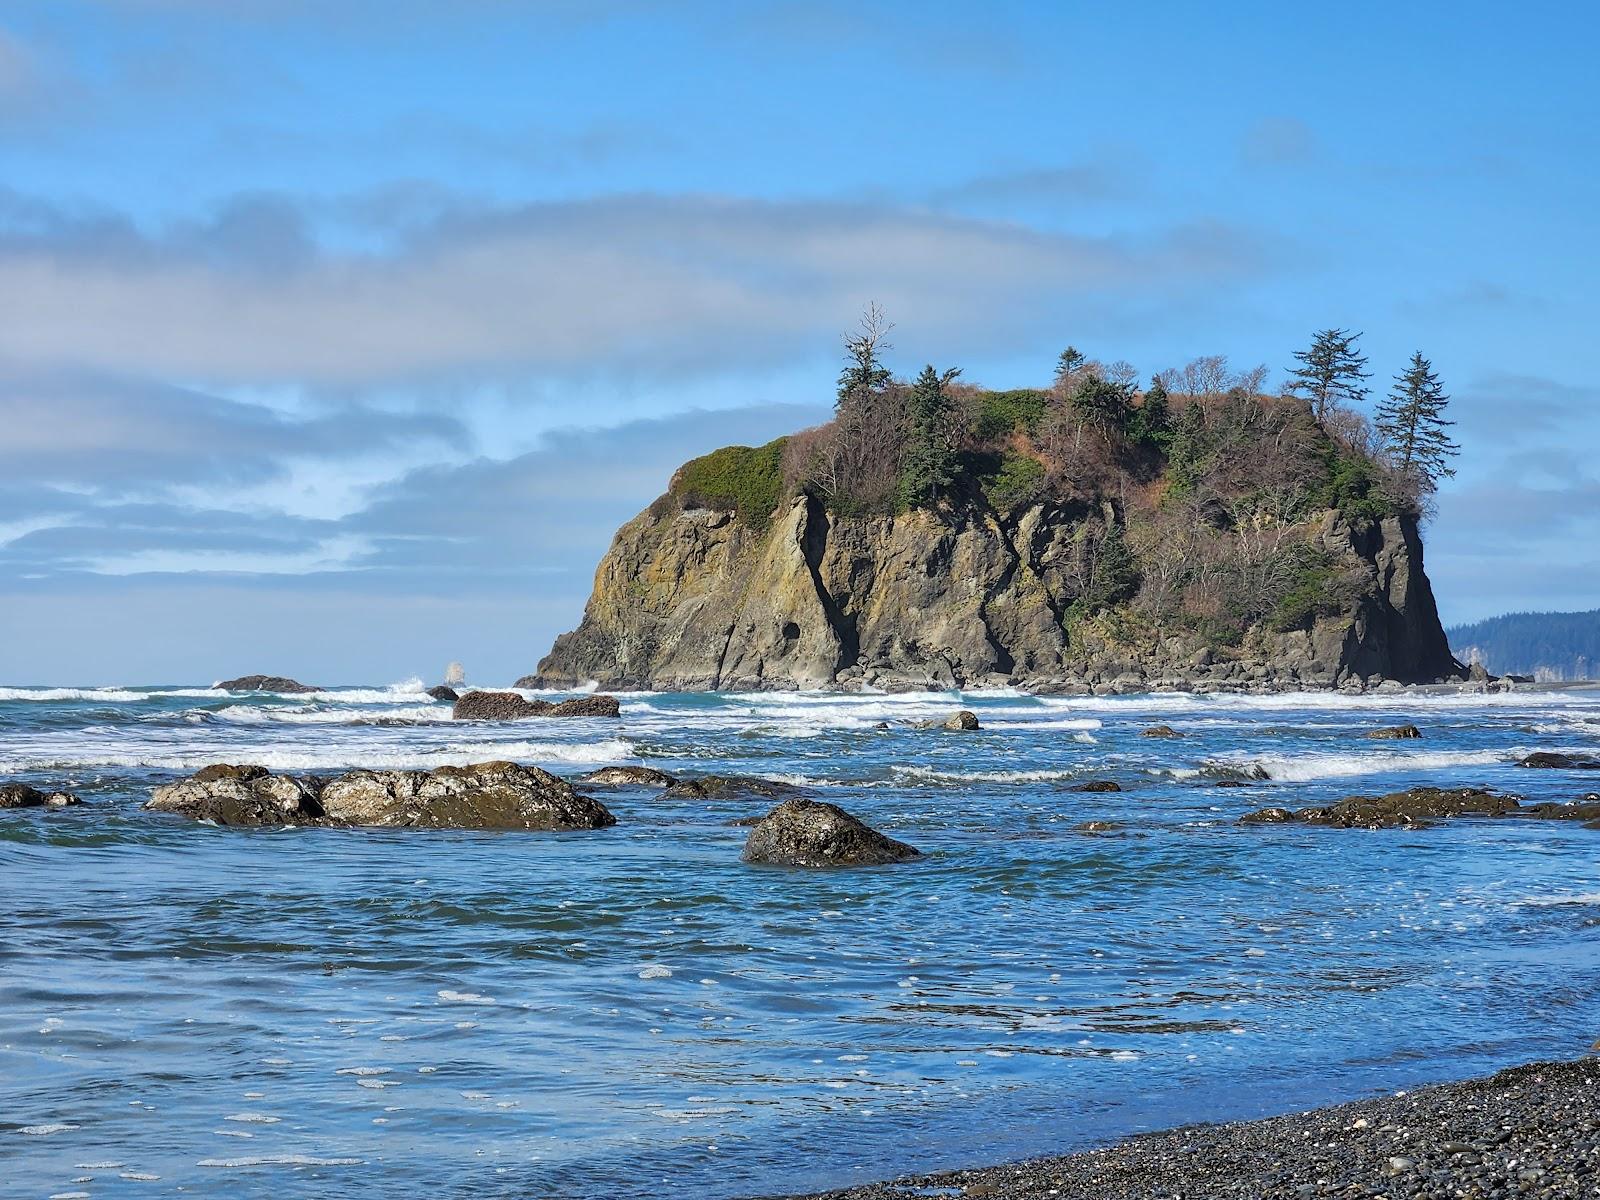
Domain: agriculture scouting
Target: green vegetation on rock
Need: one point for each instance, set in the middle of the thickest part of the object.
(747, 479)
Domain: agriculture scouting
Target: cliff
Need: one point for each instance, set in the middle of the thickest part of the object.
(694, 597)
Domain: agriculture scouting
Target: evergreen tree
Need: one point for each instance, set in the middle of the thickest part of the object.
(929, 462)
(1151, 423)
(1412, 423)
(1191, 443)
(863, 365)
(1068, 364)
(1330, 371)
(1116, 574)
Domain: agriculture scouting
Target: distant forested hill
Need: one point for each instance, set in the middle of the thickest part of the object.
(1546, 645)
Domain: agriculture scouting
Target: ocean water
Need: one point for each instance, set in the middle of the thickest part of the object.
(633, 1012)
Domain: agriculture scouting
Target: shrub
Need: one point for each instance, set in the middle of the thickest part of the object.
(747, 479)
(1000, 414)
(1013, 481)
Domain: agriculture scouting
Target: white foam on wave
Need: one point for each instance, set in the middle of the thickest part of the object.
(280, 1160)
(59, 694)
(335, 757)
(1308, 768)
(246, 714)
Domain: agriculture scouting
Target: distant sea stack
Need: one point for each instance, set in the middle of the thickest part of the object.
(1236, 544)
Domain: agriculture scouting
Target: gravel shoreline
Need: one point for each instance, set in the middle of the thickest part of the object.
(1531, 1131)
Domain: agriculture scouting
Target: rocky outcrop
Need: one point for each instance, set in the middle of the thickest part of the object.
(444, 693)
(265, 683)
(509, 706)
(1421, 806)
(1394, 733)
(693, 599)
(492, 795)
(726, 787)
(810, 833)
(20, 795)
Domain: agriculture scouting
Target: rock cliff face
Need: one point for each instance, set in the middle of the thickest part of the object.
(697, 600)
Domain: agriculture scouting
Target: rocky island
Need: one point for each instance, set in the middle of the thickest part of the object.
(1089, 536)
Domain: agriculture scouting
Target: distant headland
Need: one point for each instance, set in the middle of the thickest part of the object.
(1092, 535)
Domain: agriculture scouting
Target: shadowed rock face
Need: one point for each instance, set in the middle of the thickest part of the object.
(726, 787)
(444, 693)
(20, 795)
(266, 683)
(1419, 807)
(810, 833)
(493, 795)
(697, 600)
(509, 706)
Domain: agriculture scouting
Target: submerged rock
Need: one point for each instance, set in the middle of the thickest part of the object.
(1551, 760)
(1160, 731)
(1415, 807)
(627, 777)
(1394, 733)
(20, 795)
(492, 795)
(1099, 827)
(444, 692)
(811, 833)
(588, 706)
(1097, 785)
(726, 787)
(265, 683)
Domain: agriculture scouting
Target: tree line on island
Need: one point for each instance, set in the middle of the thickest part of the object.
(1191, 488)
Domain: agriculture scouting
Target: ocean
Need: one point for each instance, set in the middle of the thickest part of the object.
(634, 1012)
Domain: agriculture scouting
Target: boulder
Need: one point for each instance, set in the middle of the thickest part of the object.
(1551, 760)
(1394, 733)
(509, 706)
(1099, 827)
(1415, 807)
(966, 719)
(1160, 731)
(265, 683)
(726, 787)
(627, 777)
(20, 795)
(443, 692)
(498, 706)
(242, 795)
(588, 706)
(811, 833)
(492, 795)
(1097, 785)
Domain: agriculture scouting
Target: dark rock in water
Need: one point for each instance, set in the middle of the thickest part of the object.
(1394, 733)
(963, 720)
(1559, 762)
(1415, 807)
(811, 833)
(1160, 731)
(492, 795)
(726, 787)
(509, 706)
(265, 683)
(20, 795)
(498, 706)
(242, 795)
(1099, 827)
(1097, 785)
(1230, 781)
(1478, 673)
(444, 693)
(627, 777)
(588, 706)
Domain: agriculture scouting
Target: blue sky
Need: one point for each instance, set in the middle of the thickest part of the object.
(336, 339)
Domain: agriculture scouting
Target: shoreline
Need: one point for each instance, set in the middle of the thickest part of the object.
(1532, 1130)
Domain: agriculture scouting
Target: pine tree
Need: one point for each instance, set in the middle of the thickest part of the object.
(1068, 365)
(929, 462)
(1330, 371)
(1412, 423)
(1151, 423)
(863, 366)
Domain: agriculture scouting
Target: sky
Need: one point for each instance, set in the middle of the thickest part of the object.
(336, 339)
